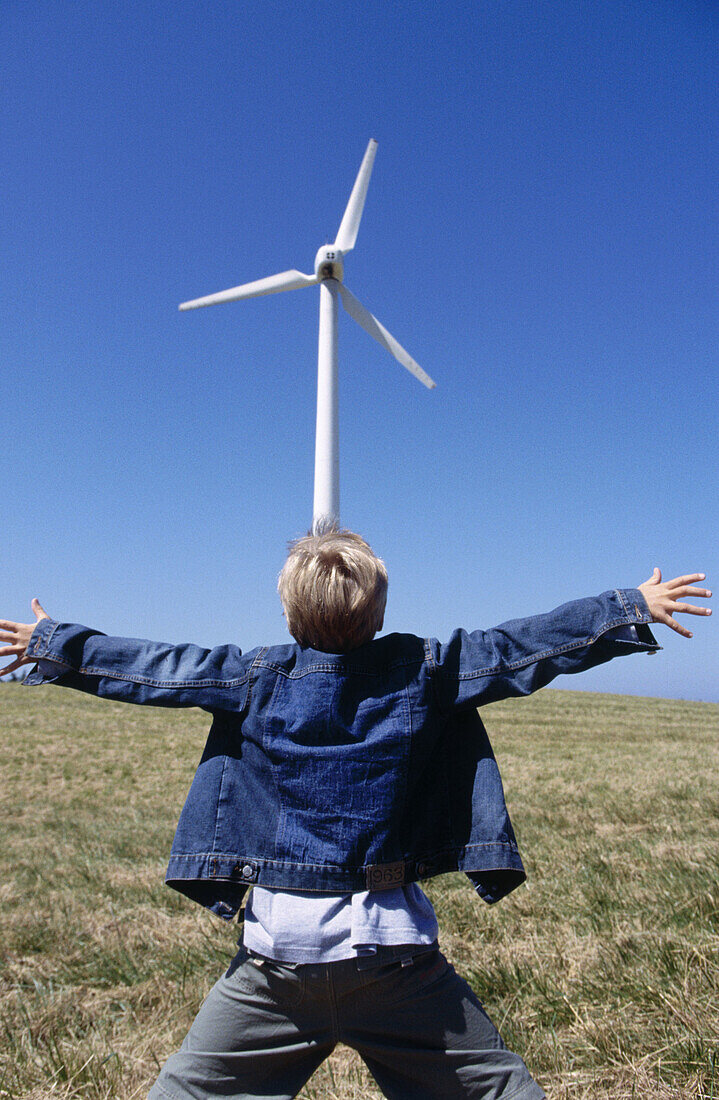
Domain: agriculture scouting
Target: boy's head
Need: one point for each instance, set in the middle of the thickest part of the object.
(333, 591)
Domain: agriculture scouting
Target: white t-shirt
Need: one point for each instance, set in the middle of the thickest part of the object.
(306, 927)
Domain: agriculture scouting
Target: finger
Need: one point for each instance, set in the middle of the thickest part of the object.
(8, 637)
(690, 578)
(655, 577)
(690, 609)
(5, 624)
(705, 593)
(38, 609)
(677, 626)
(8, 650)
(11, 668)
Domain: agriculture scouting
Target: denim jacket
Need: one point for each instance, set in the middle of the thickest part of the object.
(340, 772)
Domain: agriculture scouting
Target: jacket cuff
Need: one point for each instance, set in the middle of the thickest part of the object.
(40, 637)
(639, 616)
(635, 605)
(47, 669)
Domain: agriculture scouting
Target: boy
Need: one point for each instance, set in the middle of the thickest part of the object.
(339, 772)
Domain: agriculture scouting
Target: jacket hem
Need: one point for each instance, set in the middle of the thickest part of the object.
(246, 870)
(219, 881)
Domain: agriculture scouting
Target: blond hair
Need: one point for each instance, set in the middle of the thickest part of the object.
(333, 590)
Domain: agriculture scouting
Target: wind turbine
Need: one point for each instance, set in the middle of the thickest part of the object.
(329, 273)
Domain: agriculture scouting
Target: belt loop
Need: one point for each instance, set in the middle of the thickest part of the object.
(406, 960)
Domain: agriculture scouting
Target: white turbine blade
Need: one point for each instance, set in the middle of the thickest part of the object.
(371, 325)
(347, 232)
(273, 284)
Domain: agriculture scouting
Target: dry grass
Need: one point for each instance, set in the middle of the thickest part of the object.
(602, 972)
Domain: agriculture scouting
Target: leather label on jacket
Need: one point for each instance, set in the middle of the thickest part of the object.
(384, 876)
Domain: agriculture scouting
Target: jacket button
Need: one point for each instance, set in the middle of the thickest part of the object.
(421, 868)
(247, 871)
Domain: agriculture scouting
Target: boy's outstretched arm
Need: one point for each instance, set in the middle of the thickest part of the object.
(131, 670)
(523, 655)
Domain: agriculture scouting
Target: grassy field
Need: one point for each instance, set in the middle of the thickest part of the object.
(602, 972)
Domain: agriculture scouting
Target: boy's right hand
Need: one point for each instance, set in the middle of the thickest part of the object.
(16, 638)
(663, 599)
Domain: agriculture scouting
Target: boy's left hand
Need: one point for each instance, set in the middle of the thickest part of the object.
(16, 638)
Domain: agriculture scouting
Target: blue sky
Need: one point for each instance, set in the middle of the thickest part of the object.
(540, 233)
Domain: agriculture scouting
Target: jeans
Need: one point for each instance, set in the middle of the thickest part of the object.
(265, 1027)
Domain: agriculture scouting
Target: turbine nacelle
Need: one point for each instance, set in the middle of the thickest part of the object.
(328, 263)
(329, 269)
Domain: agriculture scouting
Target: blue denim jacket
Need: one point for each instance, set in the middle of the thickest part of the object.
(343, 772)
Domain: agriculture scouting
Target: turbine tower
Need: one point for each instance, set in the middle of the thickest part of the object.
(329, 273)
